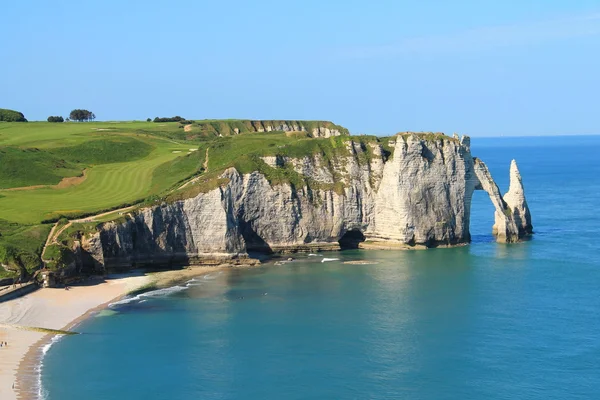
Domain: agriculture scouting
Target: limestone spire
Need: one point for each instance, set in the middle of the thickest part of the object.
(516, 202)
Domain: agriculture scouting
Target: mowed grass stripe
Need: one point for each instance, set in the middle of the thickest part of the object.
(106, 186)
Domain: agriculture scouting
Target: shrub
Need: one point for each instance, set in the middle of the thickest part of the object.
(177, 118)
(11, 116)
(56, 119)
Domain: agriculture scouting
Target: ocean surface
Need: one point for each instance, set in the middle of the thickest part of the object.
(485, 321)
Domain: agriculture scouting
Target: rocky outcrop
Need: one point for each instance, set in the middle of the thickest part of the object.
(512, 219)
(317, 129)
(419, 194)
(316, 132)
(516, 203)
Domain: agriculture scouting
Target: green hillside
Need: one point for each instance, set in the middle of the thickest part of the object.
(49, 171)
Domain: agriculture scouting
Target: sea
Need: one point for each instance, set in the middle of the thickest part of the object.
(485, 321)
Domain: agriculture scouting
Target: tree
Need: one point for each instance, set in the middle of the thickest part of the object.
(148, 119)
(11, 116)
(82, 115)
(55, 119)
(169, 119)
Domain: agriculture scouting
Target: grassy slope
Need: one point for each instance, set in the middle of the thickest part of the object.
(20, 246)
(244, 153)
(45, 134)
(106, 186)
(155, 163)
(29, 166)
(105, 150)
(126, 162)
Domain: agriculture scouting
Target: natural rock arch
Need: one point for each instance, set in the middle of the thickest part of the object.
(512, 219)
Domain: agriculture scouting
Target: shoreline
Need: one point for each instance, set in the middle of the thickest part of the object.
(64, 310)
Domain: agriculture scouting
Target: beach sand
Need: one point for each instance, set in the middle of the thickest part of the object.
(61, 309)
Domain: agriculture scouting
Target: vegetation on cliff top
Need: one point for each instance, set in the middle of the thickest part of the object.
(20, 247)
(245, 154)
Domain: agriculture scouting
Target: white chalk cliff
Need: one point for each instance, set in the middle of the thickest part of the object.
(419, 195)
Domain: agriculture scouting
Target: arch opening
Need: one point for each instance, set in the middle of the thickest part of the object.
(481, 218)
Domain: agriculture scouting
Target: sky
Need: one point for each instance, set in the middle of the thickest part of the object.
(477, 67)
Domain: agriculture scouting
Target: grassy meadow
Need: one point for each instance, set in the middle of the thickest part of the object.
(106, 165)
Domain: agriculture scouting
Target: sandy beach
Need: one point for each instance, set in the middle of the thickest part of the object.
(60, 309)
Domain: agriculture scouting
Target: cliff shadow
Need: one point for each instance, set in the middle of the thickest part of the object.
(351, 239)
(255, 244)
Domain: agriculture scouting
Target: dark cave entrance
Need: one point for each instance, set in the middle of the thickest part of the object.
(351, 239)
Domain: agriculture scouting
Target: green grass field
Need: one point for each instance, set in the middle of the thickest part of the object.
(119, 165)
(124, 163)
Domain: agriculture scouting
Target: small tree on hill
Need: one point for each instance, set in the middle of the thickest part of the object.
(82, 115)
(55, 119)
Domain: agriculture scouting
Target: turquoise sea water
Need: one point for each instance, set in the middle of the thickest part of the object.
(485, 321)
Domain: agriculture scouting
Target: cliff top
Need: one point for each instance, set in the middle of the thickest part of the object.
(232, 127)
(428, 135)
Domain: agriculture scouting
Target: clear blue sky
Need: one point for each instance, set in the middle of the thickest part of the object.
(480, 67)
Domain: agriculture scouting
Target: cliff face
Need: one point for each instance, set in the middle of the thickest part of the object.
(417, 195)
(316, 129)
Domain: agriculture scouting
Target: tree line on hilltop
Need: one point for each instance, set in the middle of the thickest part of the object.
(78, 115)
(177, 118)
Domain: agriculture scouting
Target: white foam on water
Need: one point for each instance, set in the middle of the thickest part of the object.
(152, 294)
(42, 393)
(315, 255)
(329, 259)
(210, 277)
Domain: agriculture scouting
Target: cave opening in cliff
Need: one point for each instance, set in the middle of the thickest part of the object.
(351, 239)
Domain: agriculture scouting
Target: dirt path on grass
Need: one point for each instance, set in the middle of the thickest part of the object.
(204, 166)
(92, 218)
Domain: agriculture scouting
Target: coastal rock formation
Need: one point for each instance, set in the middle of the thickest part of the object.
(512, 219)
(515, 200)
(415, 192)
(316, 129)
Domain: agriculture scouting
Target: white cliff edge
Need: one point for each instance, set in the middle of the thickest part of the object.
(417, 196)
